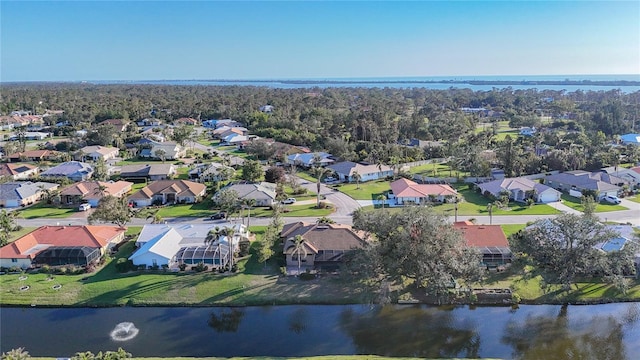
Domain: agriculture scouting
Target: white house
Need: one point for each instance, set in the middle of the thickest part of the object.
(527, 131)
(159, 250)
(309, 159)
(171, 245)
(520, 189)
(96, 152)
(346, 169)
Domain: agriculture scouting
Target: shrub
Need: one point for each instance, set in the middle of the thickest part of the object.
(61, 270)
(200, 267)
(155, 267)
(244, 246)
(182, 267)
(515, 298)
(165, 267)
(45, 269)
(234, 268)
(123, 265)
(283, 270)
(307, 276)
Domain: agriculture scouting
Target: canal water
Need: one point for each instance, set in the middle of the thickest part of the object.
(610, 331)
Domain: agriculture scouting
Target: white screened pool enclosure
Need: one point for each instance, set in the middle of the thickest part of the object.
(216, 256)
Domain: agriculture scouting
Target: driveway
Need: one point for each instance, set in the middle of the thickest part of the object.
(345, 205)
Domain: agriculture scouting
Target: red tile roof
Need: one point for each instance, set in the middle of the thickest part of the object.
(94, 236)
(14, 169)
(407, 188)
(482, 235)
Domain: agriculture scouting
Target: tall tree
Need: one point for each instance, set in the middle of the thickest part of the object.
(100, 172)
(318, 172)
(563, 247)
(299, 250)
(418, 244)
(226, 200)
(112, 209)
(7, 225)
(251, 171)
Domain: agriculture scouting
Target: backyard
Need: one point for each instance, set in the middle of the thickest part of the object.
(42, 210)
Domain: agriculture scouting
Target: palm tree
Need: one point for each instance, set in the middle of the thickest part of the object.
(155, 217)
(229, 232)
(382, 199)
(298, 249)
(357, 178)
(490, 209)
(248, 203)
(318, 173)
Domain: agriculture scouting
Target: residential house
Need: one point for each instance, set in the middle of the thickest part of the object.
(92, 192)
(169, 192)
(489, 240)
(149, 122)
(601, 183)
(14, 194)
(33, 155)
(308, 160)
(31, 135)
(119, 124)
(266, 109)
(74, 170)
(630, 175)
(96, 152)
(630, 139)
(520, 189)
(323, 248)
(186, 121)
(624, 234)
(171, 150)
(61, 245)
(226, 122)
(409, 192)
(233, 139)
(18, 171)
(172, 245)
(263, 193)
(209, 172)
(527, 131)
(149, 172)
(345, 170)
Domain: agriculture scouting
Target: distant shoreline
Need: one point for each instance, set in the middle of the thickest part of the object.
(468, 82)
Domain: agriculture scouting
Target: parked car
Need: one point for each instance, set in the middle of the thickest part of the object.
(84, 207)
(219, 215)
(288, 201)
(611, 199)
(330, 179)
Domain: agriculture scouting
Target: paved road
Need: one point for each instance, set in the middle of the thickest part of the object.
(345, 205)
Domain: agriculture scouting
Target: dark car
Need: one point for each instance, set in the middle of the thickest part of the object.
(218, 216)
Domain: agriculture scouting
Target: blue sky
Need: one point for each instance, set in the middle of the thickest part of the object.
(146, 40)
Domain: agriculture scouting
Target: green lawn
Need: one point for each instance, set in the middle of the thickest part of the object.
(253, 284)
(575, 203)
(182, 173)
(437, 170)
(510, 229)
(634, 198)
(201, 209)
(306, 176)
(46, 211)
(369, 190)
(476, 204)
(15, 235)
(293, 211)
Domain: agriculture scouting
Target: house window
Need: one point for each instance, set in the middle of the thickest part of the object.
(155, 262)
(14, 260)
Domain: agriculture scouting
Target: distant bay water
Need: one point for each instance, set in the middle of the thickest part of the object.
(568, 83)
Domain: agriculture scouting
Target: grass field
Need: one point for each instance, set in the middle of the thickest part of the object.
(510, 229)
(201, 209)
(476, 204)
(253, 284)
(15, 235)
(41, 211)
(575, 203)
(369, 190)
(437, 170)
(634, 198)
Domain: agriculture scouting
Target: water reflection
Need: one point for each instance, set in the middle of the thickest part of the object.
(298, 320)
(553, 337)
(226, 320)
(411, 331)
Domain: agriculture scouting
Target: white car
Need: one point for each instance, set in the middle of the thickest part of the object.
(84, 207)
(330, 179)
(288, 201)
(611, 199)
